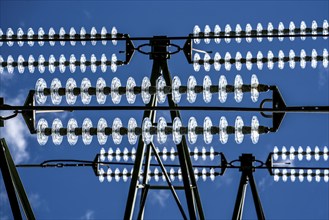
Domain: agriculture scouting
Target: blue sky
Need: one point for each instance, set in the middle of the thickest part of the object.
(75, 193)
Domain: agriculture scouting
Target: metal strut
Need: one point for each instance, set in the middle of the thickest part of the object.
(247, 170)
(13, 184)
(191, 189)
(159, 56)
(130, 204)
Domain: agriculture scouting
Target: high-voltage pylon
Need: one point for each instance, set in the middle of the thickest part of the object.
(153, 90)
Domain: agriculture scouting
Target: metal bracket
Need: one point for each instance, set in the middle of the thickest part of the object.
(246, 161)
(159, 48)
(130, 49)
(96, 164)
(188, 50)
(29, 116)
(224, 163)
(269, 163)
(278, 103)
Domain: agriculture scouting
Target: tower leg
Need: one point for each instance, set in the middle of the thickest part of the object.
(239, 202)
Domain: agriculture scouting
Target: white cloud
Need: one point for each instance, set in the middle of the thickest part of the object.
(4, 203)
(16, 133)
(3, 196)
(224, 181)
(90, 214)
(19, 100)
(5, 76)
(160, 197)
(228, 180)
(35, 200)
(323, 76)
(265, 182)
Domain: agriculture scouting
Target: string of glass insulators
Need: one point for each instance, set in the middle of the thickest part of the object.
(41, 36)
(300, 153)
(248, 33)
(147, 131)
(293, 174)
(41, 64)
(260, 60)
(161, 90)
(125, 154)
(157, 175)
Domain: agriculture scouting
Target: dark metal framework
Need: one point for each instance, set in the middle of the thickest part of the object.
(247, 170)
(13, 184)
(159, 54)
(247, 164)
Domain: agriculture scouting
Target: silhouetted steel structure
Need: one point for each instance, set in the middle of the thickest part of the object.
(159, 54)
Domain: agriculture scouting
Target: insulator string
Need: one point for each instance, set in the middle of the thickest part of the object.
(260, 60)
(161, 90)
(41, 64)
(248, 34)
(300, 153)
(171, 154)
(147, 131)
